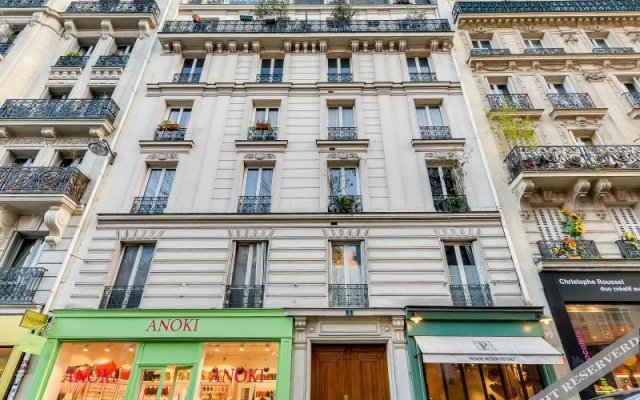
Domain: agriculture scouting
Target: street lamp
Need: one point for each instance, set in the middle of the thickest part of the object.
(100, 147)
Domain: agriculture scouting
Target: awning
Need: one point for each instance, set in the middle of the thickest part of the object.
(487, 350)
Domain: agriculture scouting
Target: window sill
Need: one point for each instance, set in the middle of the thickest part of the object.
(438, 144)
(358, 144)
(180, 146)
(262, 145)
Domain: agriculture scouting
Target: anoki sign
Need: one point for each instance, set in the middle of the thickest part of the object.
(239, 374)
(173, 325)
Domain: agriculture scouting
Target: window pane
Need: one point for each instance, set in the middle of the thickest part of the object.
(265, 66)
(334, 117)
(424, 65)
(251, 185)
(454, 381)
(265, 185)
(28, 253)
(449, 180)
(354, 264)
(471, 275)
(436, 116)
(450, 252)
(184, 119)
(334, 181)
(167, 181)
(153, 183)
(345, 65)
(240, 265)
(273, 117)
(351, 181)
(188, 64)
(127, 265)
(466, 253)
(434, 181)
(434, 382)
(144, 265)
(337, 264)
(174, 113)
(422, 117)
(333, 65)
(261, 114)
(474, 382)
(348, 119)
(278, 64)
(413, 68)
(493, 381)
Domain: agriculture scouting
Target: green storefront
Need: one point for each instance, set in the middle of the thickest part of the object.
(478, 353)
(166, 355)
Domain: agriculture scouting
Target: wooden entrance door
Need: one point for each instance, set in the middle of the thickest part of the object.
(349, 372)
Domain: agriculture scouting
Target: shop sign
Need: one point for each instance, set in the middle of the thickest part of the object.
(173, 325)
(33, 320)
(239, 374)
(596, 286)
(31, 343)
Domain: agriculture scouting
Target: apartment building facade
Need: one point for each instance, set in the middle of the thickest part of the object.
(553, 89)
(298, 209)
(66, 76)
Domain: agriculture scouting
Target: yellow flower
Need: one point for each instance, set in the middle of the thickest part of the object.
(564, 211)
(572, 245)
(581, 229)
(575, 217)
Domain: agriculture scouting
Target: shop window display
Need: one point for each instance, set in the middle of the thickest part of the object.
(5, 352)
(171, 382)
(238, 371)
(482, 381)
(91, 371)
(596, 327)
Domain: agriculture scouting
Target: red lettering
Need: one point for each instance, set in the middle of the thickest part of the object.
(93, 378)
(215, 376)
(228, 374)
(237, 374)
(252, 375)
(68, 375)
(164, 325)
(152, 325)
(186, 326)
(173, 328)
(195, 329)
(261, 374)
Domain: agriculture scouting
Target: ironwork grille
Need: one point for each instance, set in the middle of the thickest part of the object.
(612, 50)
(629, 249)
(121, 297)
(340, 77)
(342, 133)
(117, 7)
(186, 78)
(71, 61)
(584, 249)
(4, 48)
(59, 180)
(422, 77)
(568, 101)
(545, 51)
(471, 295)
(168, 136)
(345, 204)
(435, 132)
(149, 205)
(490, 52)
(255, 134)
(450, 203)
(517, 101)
(19, 285)
(348, 296)
(634, 98)
(243, 296)
(60, 109)
(269, 78)
(21, 3)
(112, 61)
(254, 204)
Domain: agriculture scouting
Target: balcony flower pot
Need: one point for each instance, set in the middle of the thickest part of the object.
(263, 125)
(169, 126)
(347, 204)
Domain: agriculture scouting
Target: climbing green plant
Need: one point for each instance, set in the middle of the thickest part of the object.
(342, 11)
(276, 8)
(519, 131)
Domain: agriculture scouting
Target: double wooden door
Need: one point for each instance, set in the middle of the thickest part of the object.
(349, 372)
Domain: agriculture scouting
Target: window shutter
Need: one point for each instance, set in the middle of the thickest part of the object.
(549, 222)
(625, 220)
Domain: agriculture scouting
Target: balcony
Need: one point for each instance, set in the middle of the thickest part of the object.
(162, 135)
(544, 51)
(112, 61)
(71, 62)
(186, 78)
(435, 133)
(629, 249)
(243, 296)
(21, 3)
(584, 249)
(548, 165)
(19, 285)
(123, 15)
(254, 204)
(489, 52)
(31, 117)
(612, 50)
(471, 295)
(634, 100)
(121, 297)
(422, 77)
(342, 133)
(340, 77)
(518, 105)
(450, 203)
(258, 135)
(149, 205)
(348, 296)
(181, 35)
(574, 105)
(35, 189)
(269, 78)
(345, 204)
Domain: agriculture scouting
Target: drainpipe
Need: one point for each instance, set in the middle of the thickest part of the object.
(81, 225)
(514, 258)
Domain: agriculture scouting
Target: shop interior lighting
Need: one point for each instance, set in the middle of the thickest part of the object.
(546, 319)
(107, 349)
(266, 347)
(131, 349)
(85, 348)
(217, 348)
(415, 318)
(241, 347)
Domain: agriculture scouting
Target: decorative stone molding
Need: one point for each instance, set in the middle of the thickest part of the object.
(5, 132)
(8, 223)
(259, 156)
(162, 157)
(300, 333)
(107, 29)
(578, 191)
(56, 219)
(398, 331)
(601, 189)
(208, 47)
(569, 37)
(345, 233)
(343, 156)
(143, 29)
(523, 193)
(70, 31)
(457, 233)
(139, 234)
(255, 46)
(49, 132)
(251, 234)
(634, 36)
(594, 76)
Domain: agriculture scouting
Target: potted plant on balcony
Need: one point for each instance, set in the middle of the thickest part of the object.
(573, 229)
(271, 11)
(168, 125)
(631, 239)
(347, 204)
(263, 125)
(506, 123)
(341, 14)
(73, 54)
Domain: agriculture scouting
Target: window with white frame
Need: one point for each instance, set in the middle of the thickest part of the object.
(600, 43)
(533, 43)
(21, 159)
(346, 264)
(430, 115)
(123, 50)
(24, 252)
(192, 67)
(159, 182)
(266, 115)
(550, 222)
(481, 44)
(625, 220)
(339, 69)
(446, 190)
(632, 86)
(503, 88)
(245, 289)
(271, 66)
(131, 277)
(258, 181)
(561, 87)
(180, 116)
(344, 181)
(585, 137)
(85, 50)
(419, 69)
(341, 117)
(68, 158)
(467, 284)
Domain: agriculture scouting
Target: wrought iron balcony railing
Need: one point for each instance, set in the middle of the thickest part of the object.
(243, 296)
(149, 205)
(21, 3)
(634, 98)
(584, 249)
(186, 78)
(115, 7)
(169, 136)
(502, 101)
(342, 133)
(558, 158)
(422, 77)
(545, 51)
(4, 48)
(471, 295)
(563, 6)
(490, 52)
(303, 26)
(19, 285)
(71, 61)
(112, 61)
(612, 50)
(121, 297)
(254, 204)
(269, 78)
(435, 132)
(450, 203)
(570, 101)
(43, 180)
(345, 204)
(59, 109)
(629, 249)
(340, 77)
(349, 296)
(255, 134)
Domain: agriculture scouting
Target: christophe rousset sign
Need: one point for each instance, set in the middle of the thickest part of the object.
(598, 286)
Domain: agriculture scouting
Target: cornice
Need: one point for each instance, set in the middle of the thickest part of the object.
(541, 21)
(556, 62)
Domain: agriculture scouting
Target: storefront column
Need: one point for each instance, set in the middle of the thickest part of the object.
(300, 361)
(283, 383)
(42, 372)
(416, 370)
